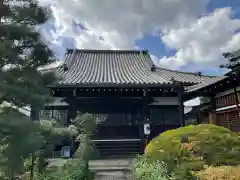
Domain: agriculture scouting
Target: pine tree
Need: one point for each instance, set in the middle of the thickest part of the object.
(22, 51)
(86, 125)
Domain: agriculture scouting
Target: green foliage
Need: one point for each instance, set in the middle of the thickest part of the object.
(86, 149)
(22, 51)
(53, 134)
(18, 138)
(74, 169)
(21, 138)
(190, 148)
(85, 125)
(145, 169)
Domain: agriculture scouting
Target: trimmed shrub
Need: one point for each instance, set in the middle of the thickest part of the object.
(220, 173)
(144, 169)
(190, 148)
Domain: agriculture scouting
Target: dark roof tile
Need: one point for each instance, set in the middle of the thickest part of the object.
(117, 67)
(185, 77)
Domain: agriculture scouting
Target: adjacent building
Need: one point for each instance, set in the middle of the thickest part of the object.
(223, 94)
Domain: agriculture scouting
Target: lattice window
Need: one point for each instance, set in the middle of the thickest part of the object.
(114, 119)
(58, 115)
(100, 118)
(232, 100)
(226, 100)
(45, 114)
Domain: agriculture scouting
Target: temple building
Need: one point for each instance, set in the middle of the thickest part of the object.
(131, 99)
(223, 94)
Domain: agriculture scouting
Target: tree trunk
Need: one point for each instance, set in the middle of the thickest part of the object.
(41, 162)
(33, 158)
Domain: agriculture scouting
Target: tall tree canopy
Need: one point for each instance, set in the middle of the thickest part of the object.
(22, 51)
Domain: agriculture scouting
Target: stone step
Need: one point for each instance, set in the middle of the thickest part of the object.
(118, 147)
(113, 175)
(111, 163)
(114, 169)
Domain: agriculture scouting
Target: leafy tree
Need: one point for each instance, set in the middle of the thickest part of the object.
(22, 52)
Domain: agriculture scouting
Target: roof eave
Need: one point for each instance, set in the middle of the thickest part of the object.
(112, 85)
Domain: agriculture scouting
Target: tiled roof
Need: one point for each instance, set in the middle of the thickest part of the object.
(186, 77)
(117, 67)
(205, 84)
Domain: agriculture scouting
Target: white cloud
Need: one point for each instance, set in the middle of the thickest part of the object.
(203, 42)
(114, 24)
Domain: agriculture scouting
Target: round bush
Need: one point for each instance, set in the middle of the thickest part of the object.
(190, 148)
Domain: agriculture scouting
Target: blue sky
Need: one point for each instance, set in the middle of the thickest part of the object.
(191, 34)
(157, 47)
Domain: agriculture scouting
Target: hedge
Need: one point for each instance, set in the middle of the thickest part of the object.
(191, 148)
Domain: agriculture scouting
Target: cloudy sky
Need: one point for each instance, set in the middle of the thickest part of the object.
(187, 35)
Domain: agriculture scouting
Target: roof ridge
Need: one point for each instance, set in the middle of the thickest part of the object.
(107, 51)
(184, 72)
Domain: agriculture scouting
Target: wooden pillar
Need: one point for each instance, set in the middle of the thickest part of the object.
(72, 114)
(236, 96)
(34, 114)
(235, 84)
(72, 111)
(181, 106)
(145, 105)
(235, 90)
(212, 113)
(145, 116)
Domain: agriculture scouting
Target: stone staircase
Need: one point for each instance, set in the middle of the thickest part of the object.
(118, 148)
(114, 169)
